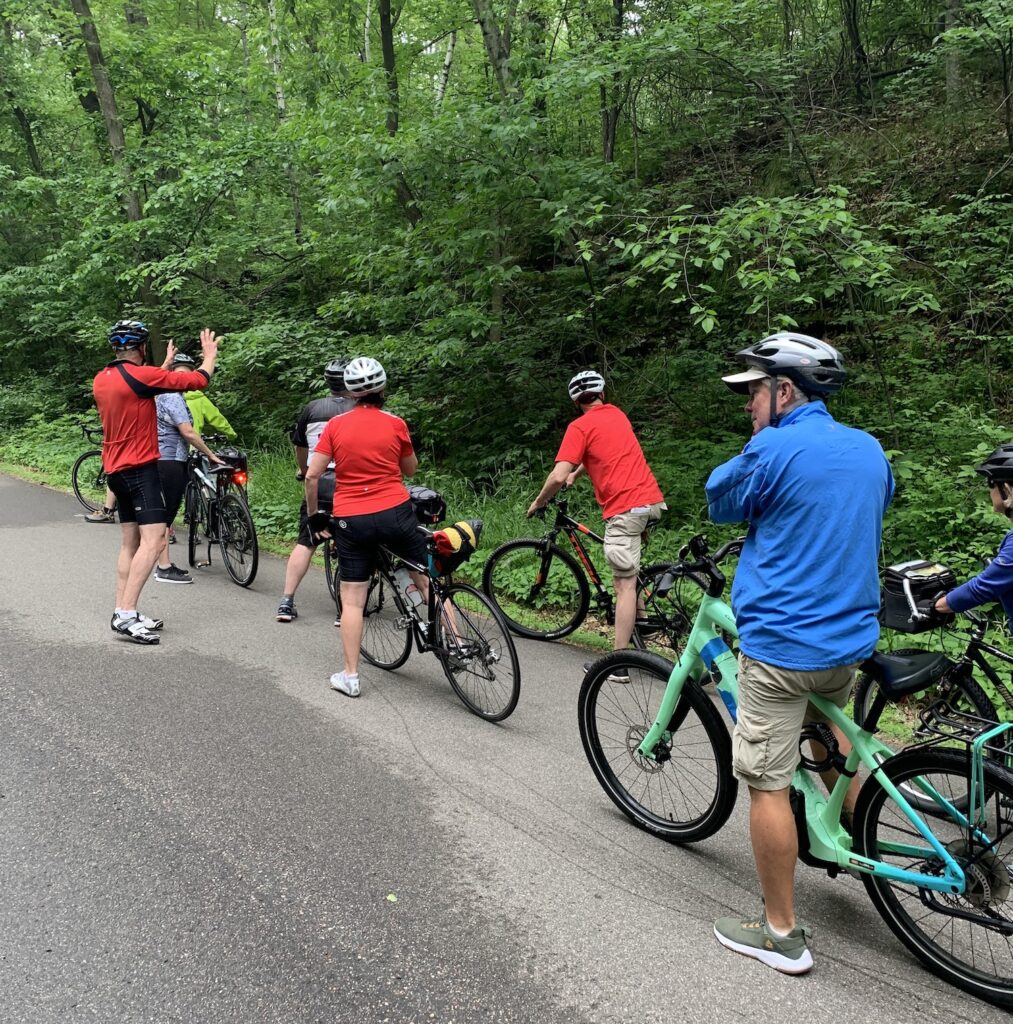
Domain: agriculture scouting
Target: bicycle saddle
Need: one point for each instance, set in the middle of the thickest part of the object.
(900, 675)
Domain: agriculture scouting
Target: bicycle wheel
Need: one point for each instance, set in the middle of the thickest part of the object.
(966, 938)
(196, 516)
(331, 568)
(478, 656)
(687, 792)
(900, 725)
(237, 537)
(539, 588)
(386, 625)
(89, 480)
(663, 622)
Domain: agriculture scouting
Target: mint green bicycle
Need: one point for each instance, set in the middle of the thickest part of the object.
(940, 874)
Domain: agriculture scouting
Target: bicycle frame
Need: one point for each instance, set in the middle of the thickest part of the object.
(565, 523)
(426, 634)
(705, 652)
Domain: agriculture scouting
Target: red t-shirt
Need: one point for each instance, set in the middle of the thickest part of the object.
(125, 396)
(366, 446)
(603, 440)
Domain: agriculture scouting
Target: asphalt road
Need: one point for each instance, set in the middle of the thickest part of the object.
(205, 832)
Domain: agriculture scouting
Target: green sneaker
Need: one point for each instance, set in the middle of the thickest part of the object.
(790, 955)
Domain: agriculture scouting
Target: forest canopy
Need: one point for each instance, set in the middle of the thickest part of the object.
(488, 196)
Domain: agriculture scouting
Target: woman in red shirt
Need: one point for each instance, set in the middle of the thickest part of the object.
(372, 452)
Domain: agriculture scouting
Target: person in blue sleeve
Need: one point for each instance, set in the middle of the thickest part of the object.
(805, 597)
(996, 582)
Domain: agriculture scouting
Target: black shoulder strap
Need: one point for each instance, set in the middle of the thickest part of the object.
(138, 387)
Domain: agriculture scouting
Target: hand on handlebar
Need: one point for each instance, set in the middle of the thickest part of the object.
(534, 509)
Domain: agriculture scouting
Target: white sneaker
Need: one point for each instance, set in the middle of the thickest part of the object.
(149, 623)
(346, 684)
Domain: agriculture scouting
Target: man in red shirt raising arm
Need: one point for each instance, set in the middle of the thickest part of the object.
(125, 393)
(601, 443)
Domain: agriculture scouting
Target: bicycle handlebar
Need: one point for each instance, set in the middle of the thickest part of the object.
(703, 563)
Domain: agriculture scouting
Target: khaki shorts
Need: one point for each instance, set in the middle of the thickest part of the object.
(623, 538)
(773, 706)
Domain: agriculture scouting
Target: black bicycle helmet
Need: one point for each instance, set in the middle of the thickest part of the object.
(814, 366)
(998, 467)
(334, 374)
(127, 334)
(182, 359)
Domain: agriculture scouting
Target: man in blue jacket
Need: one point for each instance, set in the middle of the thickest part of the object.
(806, 598)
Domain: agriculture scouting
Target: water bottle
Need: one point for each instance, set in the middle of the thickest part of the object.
(407, 587)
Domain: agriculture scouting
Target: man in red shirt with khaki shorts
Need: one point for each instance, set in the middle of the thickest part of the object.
(601, 443)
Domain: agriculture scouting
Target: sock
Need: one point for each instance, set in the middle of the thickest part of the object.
(777, 933)
(127, 613)
(288, 597)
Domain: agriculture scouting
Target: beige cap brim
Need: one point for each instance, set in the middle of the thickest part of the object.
(739, 382)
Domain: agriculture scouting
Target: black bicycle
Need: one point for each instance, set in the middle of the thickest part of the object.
(216, 511)
(544, 592)
(459, 624)
(88, 477)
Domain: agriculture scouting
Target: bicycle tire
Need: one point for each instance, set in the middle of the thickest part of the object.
(480, 659)
(665, 624)
(196, 516)
(237, 540)
(688, 793)
(926, 922)
(386, 626)
(961, 692)
(560, 606)
(88, 479)
(331, 571)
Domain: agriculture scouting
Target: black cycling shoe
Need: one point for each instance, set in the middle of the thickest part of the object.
(286, 610)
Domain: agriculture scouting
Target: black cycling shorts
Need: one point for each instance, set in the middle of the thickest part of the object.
(139, 496)
(173, 476)
(325, 499)
(358, 537)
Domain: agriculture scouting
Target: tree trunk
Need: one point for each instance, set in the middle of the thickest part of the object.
(859, 57)
(497, 46)
(951, 19)
(117, 143)
(279, 95)
(611, 95)
(367, 31)
(403, 190)
(26, 131)
(448, 60)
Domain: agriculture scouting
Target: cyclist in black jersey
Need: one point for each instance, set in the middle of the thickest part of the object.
(310, 425)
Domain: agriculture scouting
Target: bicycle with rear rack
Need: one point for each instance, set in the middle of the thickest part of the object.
(216, 511)
(939, 874)
(545, 593)
(87, 477)
(456, 622)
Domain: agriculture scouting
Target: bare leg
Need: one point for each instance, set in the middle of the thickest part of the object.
(353, 601)
(626, 609)
(775, 850)
(152, 536)
(164, 561)
(128, 548)
(295, 570)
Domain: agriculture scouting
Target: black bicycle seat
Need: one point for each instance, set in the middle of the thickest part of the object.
(900, 675)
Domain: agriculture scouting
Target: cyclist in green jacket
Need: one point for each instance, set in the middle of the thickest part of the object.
(206, 416)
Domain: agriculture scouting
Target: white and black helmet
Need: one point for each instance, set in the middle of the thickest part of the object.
(814, 366)
(365, 376)
(586, 382)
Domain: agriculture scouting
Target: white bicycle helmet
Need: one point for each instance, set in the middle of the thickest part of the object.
(587, 381)
(365, 376)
